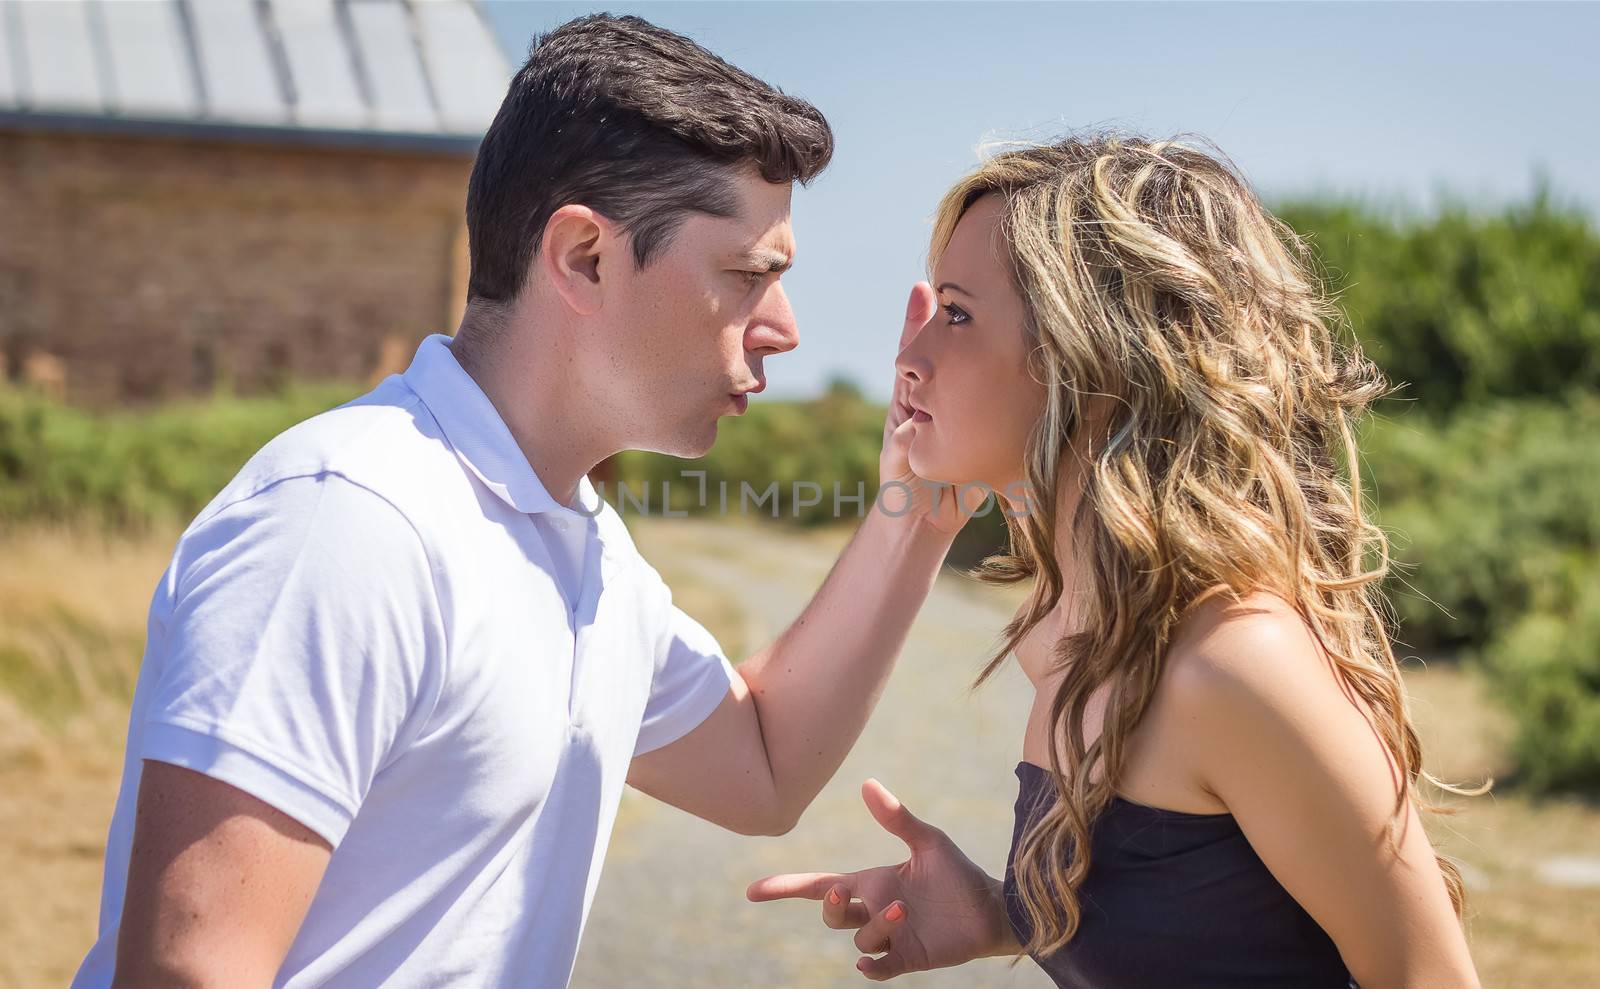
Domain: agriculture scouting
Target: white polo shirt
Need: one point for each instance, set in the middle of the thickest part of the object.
(367, 630)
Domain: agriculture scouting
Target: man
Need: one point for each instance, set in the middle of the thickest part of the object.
(400, 668)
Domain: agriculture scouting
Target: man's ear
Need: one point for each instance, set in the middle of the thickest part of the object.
(578, 250)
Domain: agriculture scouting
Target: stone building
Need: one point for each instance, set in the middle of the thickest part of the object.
(202, 195)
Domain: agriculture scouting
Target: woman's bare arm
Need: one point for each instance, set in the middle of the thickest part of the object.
(1279, 740)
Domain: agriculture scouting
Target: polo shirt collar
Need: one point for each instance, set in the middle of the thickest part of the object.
(480, 437)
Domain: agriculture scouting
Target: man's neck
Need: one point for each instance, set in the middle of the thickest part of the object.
(545, 410)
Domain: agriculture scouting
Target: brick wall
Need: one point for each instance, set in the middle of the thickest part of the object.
(151, 267)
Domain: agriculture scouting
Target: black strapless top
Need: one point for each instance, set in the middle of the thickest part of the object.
(1174, 899)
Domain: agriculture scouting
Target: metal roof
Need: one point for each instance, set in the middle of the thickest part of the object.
(366, 72)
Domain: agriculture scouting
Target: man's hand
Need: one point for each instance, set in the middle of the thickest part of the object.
(934, 910)
(756, 762)
(940, 504)
(799, 704)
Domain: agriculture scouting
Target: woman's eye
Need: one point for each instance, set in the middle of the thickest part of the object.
(955, 314)
(751, 277)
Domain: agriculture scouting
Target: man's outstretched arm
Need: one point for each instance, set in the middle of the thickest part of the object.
(797, 706)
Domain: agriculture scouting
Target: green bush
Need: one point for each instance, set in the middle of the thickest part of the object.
(827, 441)
(132, 469)
(1487, 460)
(1494, 514)
(1465, 307)
(1546, 667)
(1484, 510)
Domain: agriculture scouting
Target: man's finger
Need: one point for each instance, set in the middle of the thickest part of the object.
(919, 309)
(842, 913)
(874, 938)
(805, 885)
(895, 817)
(899, 404)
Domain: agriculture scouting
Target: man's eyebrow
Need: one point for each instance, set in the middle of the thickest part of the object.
(766, 259)
(958, 288)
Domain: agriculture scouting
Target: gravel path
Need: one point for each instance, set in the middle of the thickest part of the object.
(671, 911)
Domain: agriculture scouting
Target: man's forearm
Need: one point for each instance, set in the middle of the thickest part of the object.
(815, 686)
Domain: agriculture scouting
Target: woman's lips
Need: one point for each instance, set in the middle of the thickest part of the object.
(917, 415)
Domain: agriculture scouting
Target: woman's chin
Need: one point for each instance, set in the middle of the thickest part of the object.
(928, 465)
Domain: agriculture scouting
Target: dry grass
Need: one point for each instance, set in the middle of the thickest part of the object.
(72, 613)
(72, 616)
(1524, 930)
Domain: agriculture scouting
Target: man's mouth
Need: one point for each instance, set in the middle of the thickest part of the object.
(741, 397)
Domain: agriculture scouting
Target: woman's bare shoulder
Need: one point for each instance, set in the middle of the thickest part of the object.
(1255, 661)
(1257, 635)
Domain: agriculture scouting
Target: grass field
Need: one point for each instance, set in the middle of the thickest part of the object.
(72, 613)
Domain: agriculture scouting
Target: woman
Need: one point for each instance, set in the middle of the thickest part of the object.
(1219, 784)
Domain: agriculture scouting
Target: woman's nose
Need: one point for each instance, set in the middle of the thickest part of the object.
(912, 365)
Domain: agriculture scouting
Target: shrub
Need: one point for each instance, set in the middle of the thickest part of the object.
(1546, 667)
(1484, 510)
(827, 441)
(128, 470)
(1465, 307)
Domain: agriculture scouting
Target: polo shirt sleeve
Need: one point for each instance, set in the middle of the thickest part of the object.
(304, 649)
(692, 676)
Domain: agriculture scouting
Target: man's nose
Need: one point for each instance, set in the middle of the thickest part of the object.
(773, 329)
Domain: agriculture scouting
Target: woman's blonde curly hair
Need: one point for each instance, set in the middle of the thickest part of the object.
(1152, 276)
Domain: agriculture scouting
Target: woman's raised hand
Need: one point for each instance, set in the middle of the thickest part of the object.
(934, 910)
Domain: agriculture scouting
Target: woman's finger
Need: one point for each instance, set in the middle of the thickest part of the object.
(842, 913)
(896, 819)
(803, 885)
(882, 969)
(874, 938)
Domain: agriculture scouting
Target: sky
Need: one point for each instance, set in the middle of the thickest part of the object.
(1399, 104)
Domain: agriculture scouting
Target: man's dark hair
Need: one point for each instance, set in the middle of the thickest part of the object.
(638, 123)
